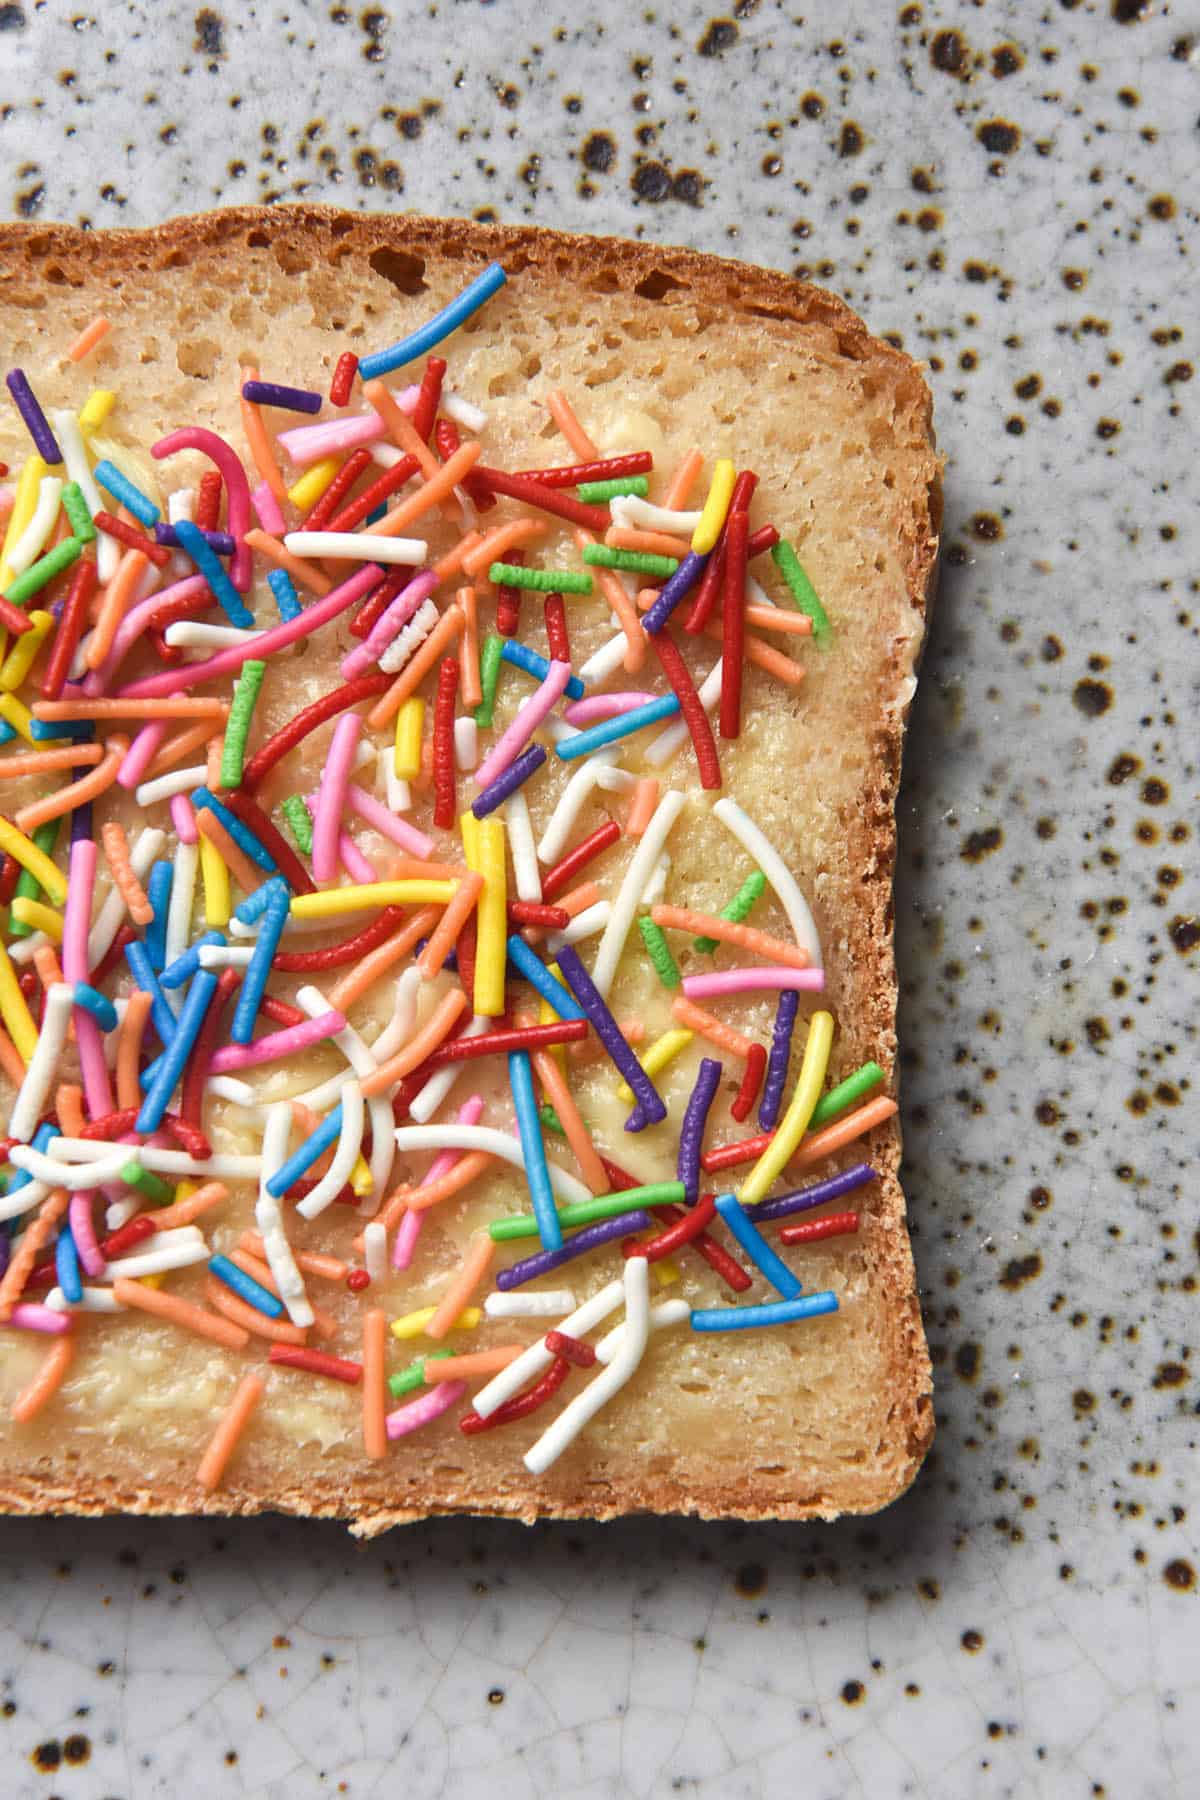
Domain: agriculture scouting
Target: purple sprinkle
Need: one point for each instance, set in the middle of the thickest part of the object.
(650, 1108)
(777, 1062)
(518, 771)
(220, 541)
(590, 1238)
(35, 419)
(804, 1199)
(691, 1136)
(81, 818)
(681, 582)
(5, 1249)
(269, 393)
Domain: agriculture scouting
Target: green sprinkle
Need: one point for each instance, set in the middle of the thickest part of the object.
(737, 909)
(237, 726)
(586, 1212)
(638, 562)
(551, 1120)
(414, 1375)
(847, 1093)
(659, 952)
(76, 509)
(25, 586)
(802, 590)
(299, 822)
(28, 886)
(542, 581)
(147, 1183)
(597, 493)
(489, 675)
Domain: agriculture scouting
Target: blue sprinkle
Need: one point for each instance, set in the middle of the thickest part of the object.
(66, 1268)
(531, 966)
(301, 1160)
(193, 543)
(126, 494)
(611, 730)
(284, 590)
(522, 657)
(158, 892)
(752, 1241)
(245, 1286)
(185, 966)
(241, 834)
(774, 1312)
(99, 1005)
(421, 341)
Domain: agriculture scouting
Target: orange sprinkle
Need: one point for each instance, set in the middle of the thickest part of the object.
(833, 1137)
(184, 1313)
(129, 1044)
(116, 849)
(494, 544)
(683, 481)
(49, 969)
(68, 1106)
(411, 868)
(261, 448)
(35, 1234)
(435, 1031)
(715, 1030)
(562, 412)
(452, 562)
(176, 748)
(46, 1383)
(765, 656)
(43, 762)
(746, 937)
(168, 706)
(467, 1169)
(454, 917)
(468, 649)
(324, 1324)
(478, 1362)
(118, 597)
(330, 1268)
(240, 1312)
(779, 618)
(10, 1060)
(654, 543)
(250, 1390)
(614, 592)
(214, 751)
(438, 643)
(556, 1091)
(438, 488)
(471, 1271)
(402, 431)
(300, 571)
(244, 872)
(88, 338)
(590, 1049)
(578, 899)
(76, 793)
(364, 974)
(183, 1212)
(641, 807)
(374, 1387)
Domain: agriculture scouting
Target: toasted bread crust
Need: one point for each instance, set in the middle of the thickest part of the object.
(52, 261)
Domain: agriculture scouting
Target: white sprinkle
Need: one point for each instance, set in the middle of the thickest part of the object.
(357, 546)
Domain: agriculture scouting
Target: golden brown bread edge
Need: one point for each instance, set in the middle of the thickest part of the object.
(36, 263)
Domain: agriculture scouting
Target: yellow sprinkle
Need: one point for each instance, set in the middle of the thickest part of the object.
(14, 1014)
(215, 874)
(25, 500)
(666, 1273)
(373, 893)
(19, 661)
(794, 1122)
(410, 722)
(662, 1051)
(312, 484)
(720, 493)
(96, 409)
(360, 1175)
(19, 717)
(491, 951)
(26, 852)
(38, 916)
(414, 1323)
(185, 1189)
(154, 1281)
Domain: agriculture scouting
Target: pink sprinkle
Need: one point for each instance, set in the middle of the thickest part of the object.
(603, 706)
(331, 798)
(141, 752)
(83, 1230)
(309, 443)
(747, 981)
(270, 517)
(28, 1316)
(423, 1410)
(133, 626)
(389, 625)
(237, 490)
(388, 823)
(277, 1044)
(183, 818)
(509, 746)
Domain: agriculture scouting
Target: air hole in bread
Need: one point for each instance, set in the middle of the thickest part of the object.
(291, 260)
(174, 259)
(657, 285)
(197, 357)
(148, 350)
(772, 312)
(257, 240)
(405, 272)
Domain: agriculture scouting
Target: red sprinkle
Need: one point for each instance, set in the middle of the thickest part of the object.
(316, 1362)
(281, 1012)
(690, 705)
(516, 1037)
(464, 953)
(357, 1280)
(747, 1094)
(573, 1348)
(166, 653)
(508, 602)
(378, 601)
(691, 1225)
(731, 1156)
(545, 499)
(555, 612)
(336, 956)
(297, 729)
(611, 468)
(717, 1258)
(446, 441)
(375, 495)
(10, 874)
(568, 866)
(521, 1405)
(272, 841)
(208, 501)
(114, 954)
(701, 609)
(343, 378)
(169, 611)
(444, 803)
(13, 619)
(811, 1231)
(535, 912)
(428, 400)
(159, 554)
(733, 639)
(356, 464)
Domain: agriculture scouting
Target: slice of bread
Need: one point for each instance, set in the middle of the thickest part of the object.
(658, 349)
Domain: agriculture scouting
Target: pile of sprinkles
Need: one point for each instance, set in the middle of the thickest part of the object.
(161, 992)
